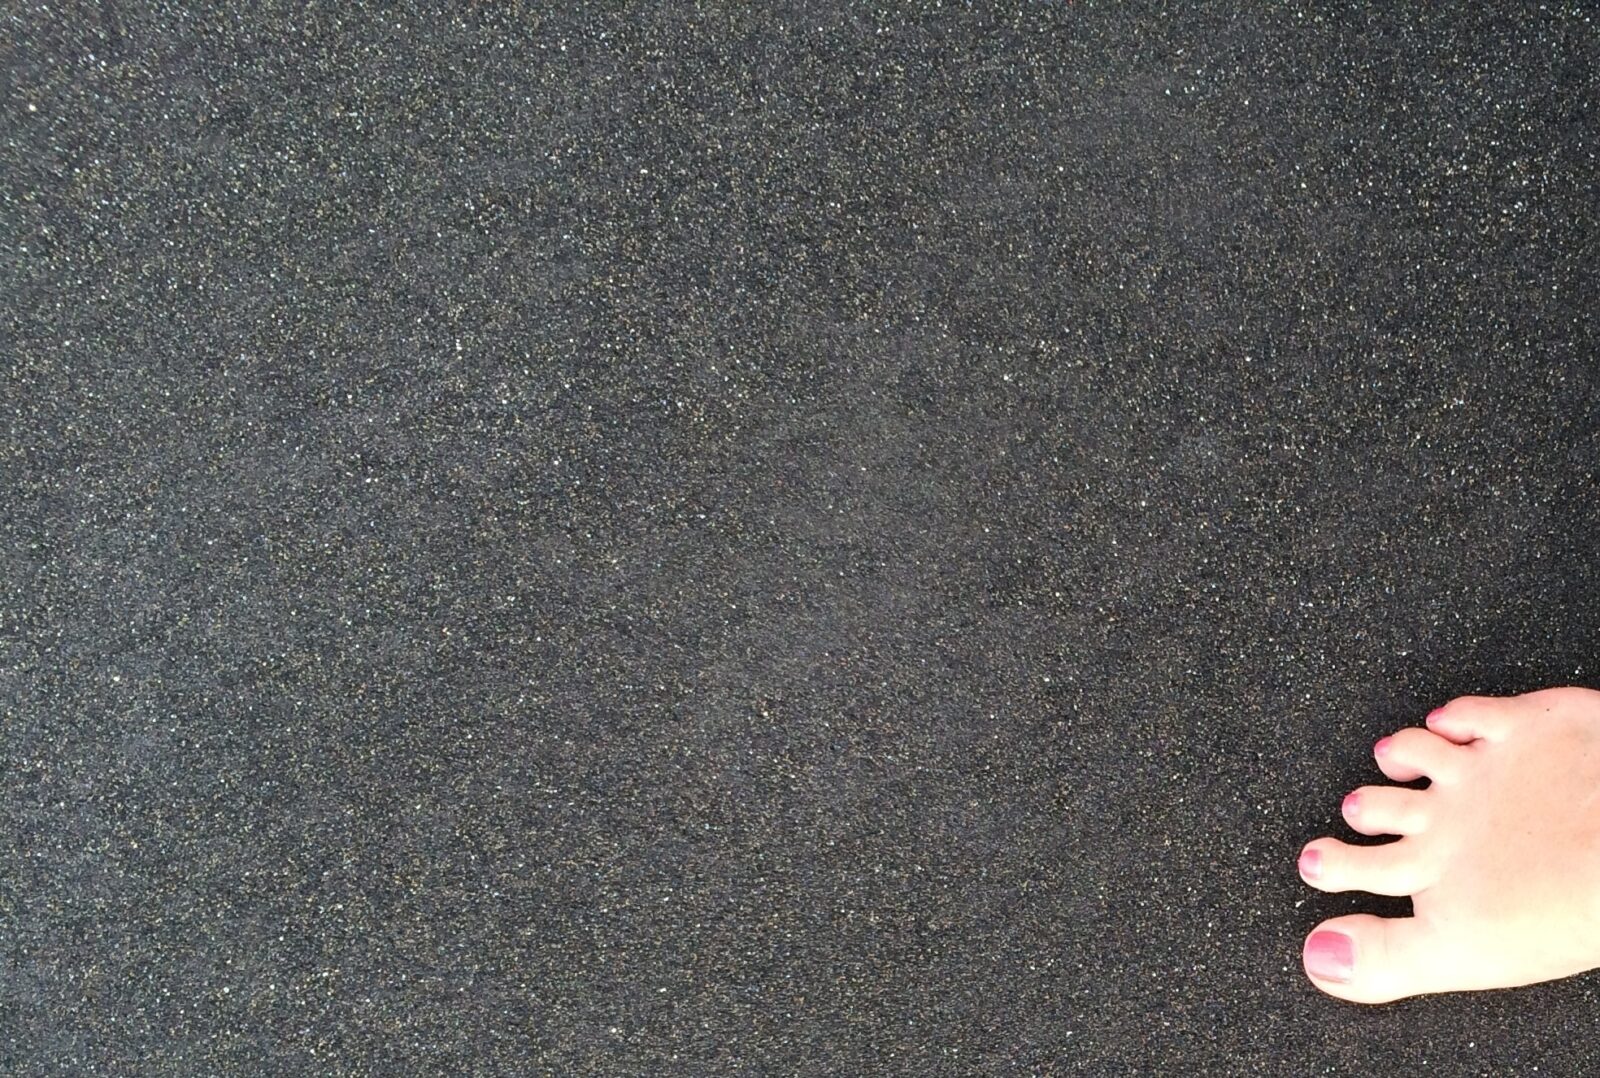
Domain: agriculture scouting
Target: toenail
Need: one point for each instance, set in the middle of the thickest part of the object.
(1331, 956)
(1350, 801)
(1311, 863)
(1434, 714)
(1383, 746)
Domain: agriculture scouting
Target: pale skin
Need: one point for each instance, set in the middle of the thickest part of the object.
(1500, 854)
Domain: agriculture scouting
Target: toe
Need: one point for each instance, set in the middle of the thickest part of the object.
(1470, 718)
(1394, 868)
(1386, 810)
(1367, 959)
(1414, 753)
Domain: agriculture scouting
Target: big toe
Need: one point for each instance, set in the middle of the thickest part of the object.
(1367, 959)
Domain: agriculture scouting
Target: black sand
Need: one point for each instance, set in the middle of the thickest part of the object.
(813, 542)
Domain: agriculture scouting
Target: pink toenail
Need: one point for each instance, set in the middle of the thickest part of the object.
(1311, 864)
(1434, 714)
(1383, 746)
(1350, 801)
(1331, 956)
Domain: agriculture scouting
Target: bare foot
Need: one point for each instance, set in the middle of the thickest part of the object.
(1500, 854)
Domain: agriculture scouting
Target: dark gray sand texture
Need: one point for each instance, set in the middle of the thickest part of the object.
(817, 540)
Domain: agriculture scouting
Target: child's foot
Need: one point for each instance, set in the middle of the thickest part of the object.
(1500, 854)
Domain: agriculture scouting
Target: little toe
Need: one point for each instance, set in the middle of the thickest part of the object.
(1415, 753)
(1386, 810)
(1470, 718)
(1367, 959)
(1394, 868)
